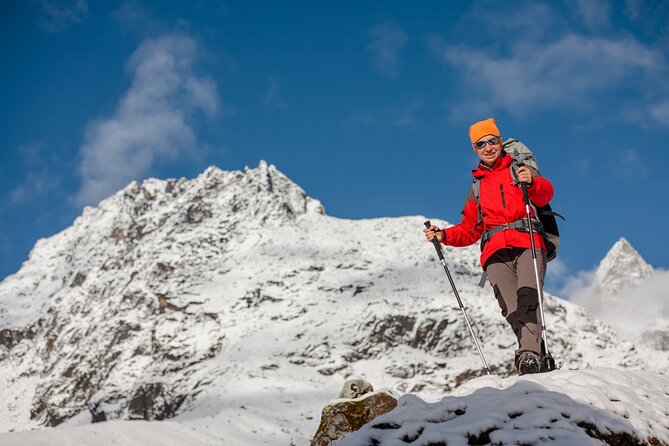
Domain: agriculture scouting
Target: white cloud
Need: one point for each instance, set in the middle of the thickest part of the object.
(36, 183)
(629, 165)
(633, 8)
(556, 274)
(386, 42)
(529, 18)
(40, 178)
(660, 113)
(404, 116)
(595, 14)
(153, 120)
(273, 94)
(582, 166)
(407, 115)
(632, 310)
(567, 72)
(58, 15)
(136, 19)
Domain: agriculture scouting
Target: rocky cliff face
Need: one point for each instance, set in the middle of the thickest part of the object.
(233, 296)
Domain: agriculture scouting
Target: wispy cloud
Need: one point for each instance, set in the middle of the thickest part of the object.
(595, 14)
(652, 14)
(660, 112)
(629, 165)
(404, 116)
(633, 8)
(273, 94)
(569, 71)
(386, 41)
(556, 275)
(40, 178)
(36, 184)
(531, 19)
(6, 245)
(632, 310)
(136, 19)
(153, 122)
(58, 15)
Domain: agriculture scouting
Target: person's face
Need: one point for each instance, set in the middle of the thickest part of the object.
(486, 150)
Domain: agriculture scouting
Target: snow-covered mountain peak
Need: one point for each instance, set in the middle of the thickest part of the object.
(622, 267)
(232, 296)
(263, 192)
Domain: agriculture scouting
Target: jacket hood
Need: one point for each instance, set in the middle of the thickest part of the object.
(502, 162)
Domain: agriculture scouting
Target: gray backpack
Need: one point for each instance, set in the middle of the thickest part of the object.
(547, 224)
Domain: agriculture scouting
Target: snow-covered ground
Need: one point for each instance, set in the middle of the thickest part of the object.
(232, 305)
(540, 409)
(113, 433)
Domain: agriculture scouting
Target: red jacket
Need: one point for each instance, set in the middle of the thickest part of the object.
(501, 202)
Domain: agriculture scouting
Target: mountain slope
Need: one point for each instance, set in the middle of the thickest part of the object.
(233, 296)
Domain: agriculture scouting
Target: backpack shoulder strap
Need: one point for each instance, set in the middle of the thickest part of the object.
(475, 193)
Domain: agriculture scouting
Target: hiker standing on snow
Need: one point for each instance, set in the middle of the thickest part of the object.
(506, 254)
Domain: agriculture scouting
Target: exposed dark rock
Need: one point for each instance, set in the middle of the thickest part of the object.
(410, 370)
(46, 415)
(153, 402)
(617, 438)
(97, 415)
(78, 280)
(428, 334)
(163, 269)
(197, 213)
(118, 234)
(327, 371)
(480, 439)
(254, 298)
(9, 338)
(389, 330)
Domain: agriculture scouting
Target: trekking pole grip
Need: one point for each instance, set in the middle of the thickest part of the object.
(435, 241)
(524, 186)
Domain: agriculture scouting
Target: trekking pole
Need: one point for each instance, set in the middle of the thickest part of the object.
(547, 359)
(437, 246)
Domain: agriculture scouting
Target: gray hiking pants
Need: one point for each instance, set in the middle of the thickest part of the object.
(511, 274)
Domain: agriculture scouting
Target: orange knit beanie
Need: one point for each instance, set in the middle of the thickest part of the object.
(482, 128)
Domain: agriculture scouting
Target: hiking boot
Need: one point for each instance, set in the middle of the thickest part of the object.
(529, 362)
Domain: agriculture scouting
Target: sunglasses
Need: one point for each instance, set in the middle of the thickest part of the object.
(481, 144)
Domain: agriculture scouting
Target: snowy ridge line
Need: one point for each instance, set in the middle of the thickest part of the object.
(233, 296)
(560, 408)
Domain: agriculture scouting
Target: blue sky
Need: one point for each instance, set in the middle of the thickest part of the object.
(365, 105)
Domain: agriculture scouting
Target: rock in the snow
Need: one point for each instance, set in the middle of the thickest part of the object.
(355, 387)
(153, 402)
(344, 416)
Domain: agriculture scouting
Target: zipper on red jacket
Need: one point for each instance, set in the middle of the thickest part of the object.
(501, 191)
